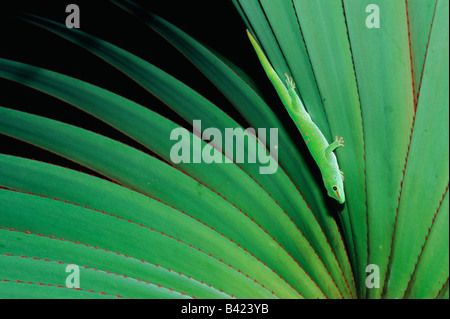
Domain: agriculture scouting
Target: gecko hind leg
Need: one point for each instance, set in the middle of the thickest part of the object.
(290, 82)
(338, 142)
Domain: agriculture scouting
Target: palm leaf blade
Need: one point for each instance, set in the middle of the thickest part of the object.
(385, 87)
(422, 192)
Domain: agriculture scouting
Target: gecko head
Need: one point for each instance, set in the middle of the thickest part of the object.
(335, 188)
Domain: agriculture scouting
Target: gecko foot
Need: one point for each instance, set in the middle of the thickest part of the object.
(289, 81)
(339, 141)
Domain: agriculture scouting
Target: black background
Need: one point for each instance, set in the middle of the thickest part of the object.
(215, 23)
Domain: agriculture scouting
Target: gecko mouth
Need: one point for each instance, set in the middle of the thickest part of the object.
(340, 200)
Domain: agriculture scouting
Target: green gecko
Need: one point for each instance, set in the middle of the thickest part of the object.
(318, 146)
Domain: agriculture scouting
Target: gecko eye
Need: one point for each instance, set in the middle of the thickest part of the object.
(334, 188)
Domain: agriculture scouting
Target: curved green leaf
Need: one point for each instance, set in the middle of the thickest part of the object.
(332, 62)
(431, 269)
(422, 191)
(43, 247)
(383, 74)
(67, 221)
(139, 171)
(420, 18)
